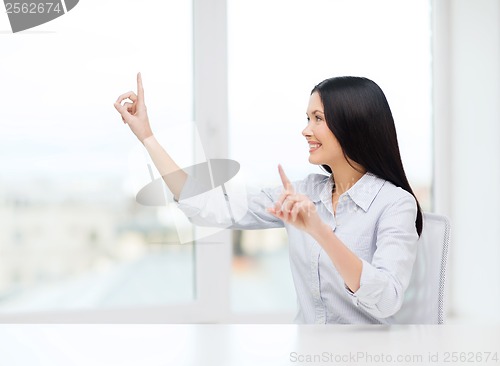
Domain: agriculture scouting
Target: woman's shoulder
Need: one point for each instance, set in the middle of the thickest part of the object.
(392, 195)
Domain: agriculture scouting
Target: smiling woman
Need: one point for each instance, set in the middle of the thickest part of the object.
(353, 234)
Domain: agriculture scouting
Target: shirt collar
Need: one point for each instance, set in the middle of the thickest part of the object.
(323, 191)
(363, 192)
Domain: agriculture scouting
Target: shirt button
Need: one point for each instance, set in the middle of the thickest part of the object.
(345, 198)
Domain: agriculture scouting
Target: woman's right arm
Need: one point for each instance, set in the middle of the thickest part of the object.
(201, 206)
(135, 115)
(236, 207)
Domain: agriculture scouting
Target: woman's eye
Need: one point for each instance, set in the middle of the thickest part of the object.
(318, 118)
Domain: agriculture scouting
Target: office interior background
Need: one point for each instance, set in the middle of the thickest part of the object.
(228, 78)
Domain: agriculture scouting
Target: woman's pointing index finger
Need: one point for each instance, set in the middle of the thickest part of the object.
(140, 89)
(284, 179)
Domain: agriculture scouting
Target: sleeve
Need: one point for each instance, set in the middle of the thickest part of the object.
(229, 207)
(384, 280)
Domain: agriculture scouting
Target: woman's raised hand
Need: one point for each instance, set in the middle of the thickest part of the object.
(135, 114)
(295, 208)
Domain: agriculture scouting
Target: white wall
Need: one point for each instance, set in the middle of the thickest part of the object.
(467, 146)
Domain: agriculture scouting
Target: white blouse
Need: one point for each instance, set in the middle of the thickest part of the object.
(374, 218)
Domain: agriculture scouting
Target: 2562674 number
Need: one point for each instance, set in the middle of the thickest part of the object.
(472, 357)
(32, 8)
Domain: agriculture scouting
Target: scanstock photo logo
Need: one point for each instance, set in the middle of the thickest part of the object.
(31, 13)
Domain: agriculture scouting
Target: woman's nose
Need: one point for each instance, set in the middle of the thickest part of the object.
(306, 131)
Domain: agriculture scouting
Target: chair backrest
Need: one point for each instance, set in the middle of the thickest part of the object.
(424, 297)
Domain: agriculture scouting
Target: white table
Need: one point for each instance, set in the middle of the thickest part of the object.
(200, 345)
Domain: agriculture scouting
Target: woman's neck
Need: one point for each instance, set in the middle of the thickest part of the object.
(345, 176)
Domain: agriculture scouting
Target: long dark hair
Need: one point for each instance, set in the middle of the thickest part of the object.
(358, 114)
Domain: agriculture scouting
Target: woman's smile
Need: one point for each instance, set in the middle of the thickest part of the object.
(313, 146)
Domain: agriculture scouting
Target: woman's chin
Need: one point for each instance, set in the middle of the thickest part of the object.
(314, 161)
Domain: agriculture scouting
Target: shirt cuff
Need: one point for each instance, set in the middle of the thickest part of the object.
(371, 286)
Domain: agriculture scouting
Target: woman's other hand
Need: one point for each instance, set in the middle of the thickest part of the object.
(296, 209)
(135, 114)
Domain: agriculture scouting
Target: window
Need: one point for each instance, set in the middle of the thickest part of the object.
(73, 235)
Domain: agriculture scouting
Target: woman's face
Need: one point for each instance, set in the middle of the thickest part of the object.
(323, 146)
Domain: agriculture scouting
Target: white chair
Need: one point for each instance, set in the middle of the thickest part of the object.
(424, 297)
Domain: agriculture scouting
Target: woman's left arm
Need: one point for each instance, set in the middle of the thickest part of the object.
(299, 210)
(377, 287)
